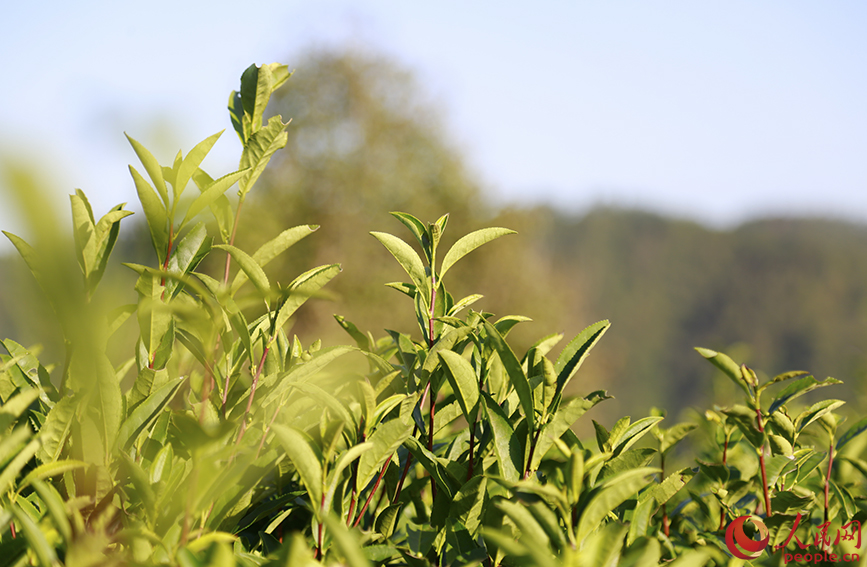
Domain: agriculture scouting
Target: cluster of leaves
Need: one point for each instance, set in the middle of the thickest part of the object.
(233, 444)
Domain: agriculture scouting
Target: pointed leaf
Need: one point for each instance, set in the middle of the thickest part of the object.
(469, 243)
(192, 162)
(210, 194)
(250, 267)
(152, 167)
(409, 261)
(463, 381)
(506, 445)
(574, 354)
(298, 448)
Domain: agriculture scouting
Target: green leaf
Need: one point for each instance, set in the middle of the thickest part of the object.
(250, 267)
(469, 243)
(728, 366)
(816, 411)
(302, 288)
(574, 354)
(563, 419)
(506, 445)
(346, 543)
(56, 509)
(210, 194)
(463, 381)
(387, 438)
(745, 420)
(36, 540)
(433, 466)
(526, 523)
(258, 151)
(155, 214)
(55, 430)
(344, 461)
(11, 471)
(192, 162)
(633, 433)
(670, 486)
(275, 247)
(673, 435)
(146, 413)
(610, 495)
(799, 388)
(626, 461)
(515, 372)
(857, 429)
(300, 451)
(409, 261)
(152, 167)
(16, 407)
(50, 469)
(415, 226)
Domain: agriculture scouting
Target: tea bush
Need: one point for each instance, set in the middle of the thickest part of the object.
(222, 440)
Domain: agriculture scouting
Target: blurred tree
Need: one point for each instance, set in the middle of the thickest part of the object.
(364, 141)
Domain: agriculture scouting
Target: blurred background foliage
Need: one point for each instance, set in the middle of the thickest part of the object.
(364, 140)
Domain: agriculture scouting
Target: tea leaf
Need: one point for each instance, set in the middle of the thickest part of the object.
(857, 429)
(464, 382)
(210, 194)
(145, 414)
(251, 268)
(506, 445)
(470, 242)
(258, 150)
(799, 388)
(610, 495)
(152, 167)
(515, 372)
(191, 163)
(387, 438)
(155, 214)
(574, 354)
(300, 451)
(728, 366)
(408, 260)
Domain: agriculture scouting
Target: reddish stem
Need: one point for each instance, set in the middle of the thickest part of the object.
(319, 536)
(530, 456)
(768, 510)
(665, 524)
(828, 476)
(12, 529)
(372, 492)
(252, 394)
(722, 512)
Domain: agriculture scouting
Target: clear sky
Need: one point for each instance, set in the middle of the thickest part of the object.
(719, 111)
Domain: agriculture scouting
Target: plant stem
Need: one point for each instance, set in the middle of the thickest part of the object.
(828, 476)
(472, 441)
(433, 398)
(319, 535)
(370, 496)
(252, 394)
(409, 456)
(665, 524)
(527, 470)
(768, 511)
(722, 512)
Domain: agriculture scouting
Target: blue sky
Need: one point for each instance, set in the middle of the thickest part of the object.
(720, 111)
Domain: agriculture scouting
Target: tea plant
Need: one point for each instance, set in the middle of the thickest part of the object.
(219, 440)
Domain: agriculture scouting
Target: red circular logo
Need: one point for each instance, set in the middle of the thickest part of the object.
(737, 540)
